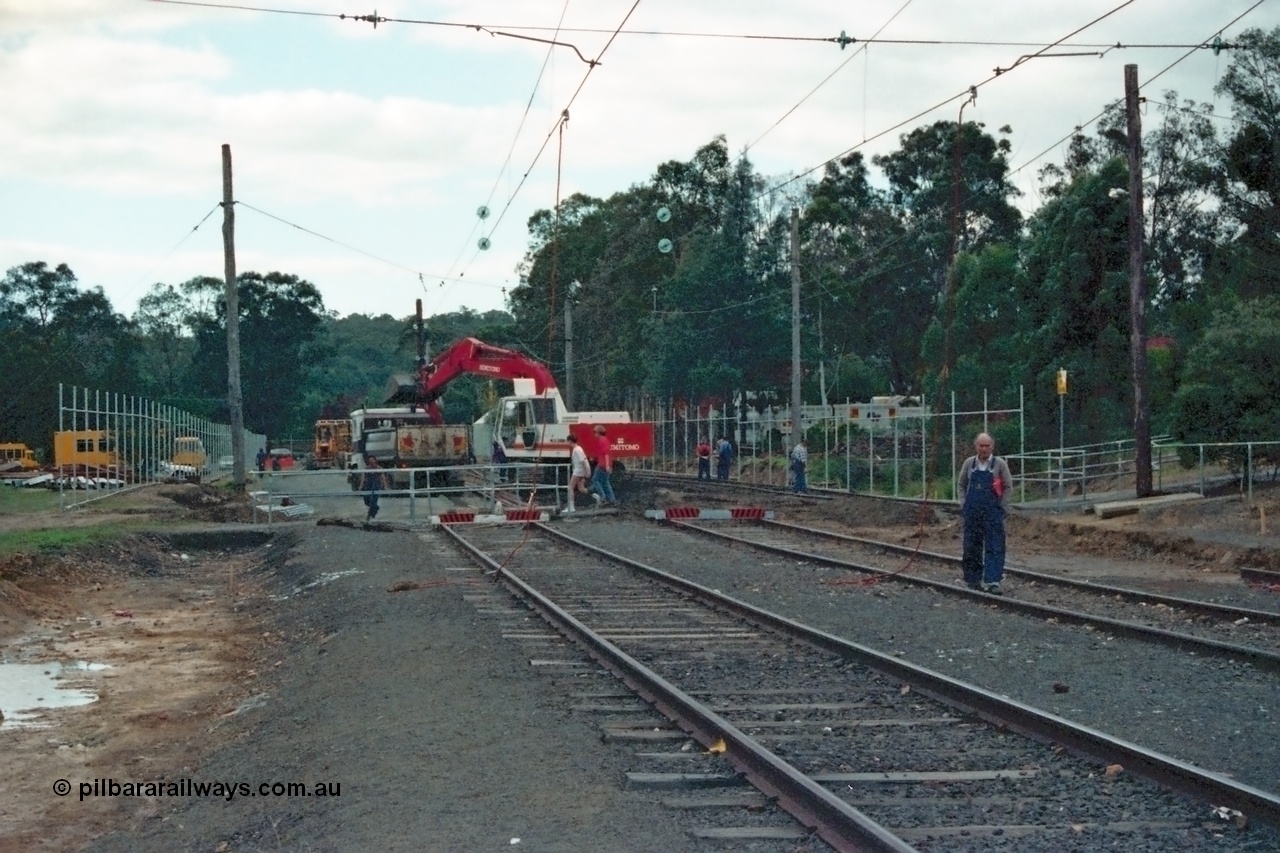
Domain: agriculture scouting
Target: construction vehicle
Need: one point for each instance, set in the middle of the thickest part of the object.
(332, 443)
(19, 454)
(533, 423)
(84, 447)
(188, 459)
(403, 437)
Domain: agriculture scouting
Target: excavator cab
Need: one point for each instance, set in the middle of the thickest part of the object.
(521, 418)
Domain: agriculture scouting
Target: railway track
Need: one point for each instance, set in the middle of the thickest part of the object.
(863, 750)
(1205, 627)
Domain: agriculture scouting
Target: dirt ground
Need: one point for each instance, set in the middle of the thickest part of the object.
(180, 627)
(183, 654)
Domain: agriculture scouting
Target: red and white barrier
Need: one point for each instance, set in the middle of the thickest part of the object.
(470, 516)
(693, 513)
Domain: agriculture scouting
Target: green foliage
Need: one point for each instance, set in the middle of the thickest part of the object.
(55, 333)
(280, 320)
(1230, 389)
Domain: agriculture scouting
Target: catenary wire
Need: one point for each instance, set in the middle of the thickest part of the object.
(506, 163)
(842, 40)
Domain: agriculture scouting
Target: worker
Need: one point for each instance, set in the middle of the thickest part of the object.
(703, 452)
(372, 482)
(985, 485)
(724, 456)
(799, 464)
(579, 472)
(600, 481)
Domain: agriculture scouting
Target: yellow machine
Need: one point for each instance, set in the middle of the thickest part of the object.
(12, 451)
(188, 451)
(84, 447)
(333, 441)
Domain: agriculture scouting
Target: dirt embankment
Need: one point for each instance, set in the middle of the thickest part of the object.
(162, 630)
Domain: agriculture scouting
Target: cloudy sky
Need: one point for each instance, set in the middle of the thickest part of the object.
(361, 155)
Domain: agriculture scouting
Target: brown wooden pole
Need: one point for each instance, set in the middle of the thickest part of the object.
(1137, 291)
(235, 400)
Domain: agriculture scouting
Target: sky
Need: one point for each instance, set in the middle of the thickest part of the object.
(363, 155)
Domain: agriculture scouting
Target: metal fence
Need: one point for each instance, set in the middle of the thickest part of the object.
(876, 447)
(108, 442)
(422, 492)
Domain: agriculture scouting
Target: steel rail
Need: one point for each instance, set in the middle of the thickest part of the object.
(822, 493)
(1260, 576)
(820, 811)
(1205, 607)
(738, 485)
(1260, 658)
(997, 710)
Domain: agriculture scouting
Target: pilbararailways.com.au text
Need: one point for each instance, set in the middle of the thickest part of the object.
(192, 788)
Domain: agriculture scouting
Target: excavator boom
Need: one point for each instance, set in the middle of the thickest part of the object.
(475, 357)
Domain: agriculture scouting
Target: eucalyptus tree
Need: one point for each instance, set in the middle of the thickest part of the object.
(53, 333)
(848, 234)
(1073, 308)
(949, 192)
(1250, 189)
(280, 321)
(162, 320)
(1230, 389)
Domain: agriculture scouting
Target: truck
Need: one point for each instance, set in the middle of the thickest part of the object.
(332, 443)
(533, 423)
(402, 437)
(84, 447)
(21, 456)
(189, 459)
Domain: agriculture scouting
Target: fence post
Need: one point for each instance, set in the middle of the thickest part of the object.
(413, 492)
(871, 461)
(1249, 469)
(951, 454)
(1201, 470)
(895, 457)
(924, 457)
(1022, 436)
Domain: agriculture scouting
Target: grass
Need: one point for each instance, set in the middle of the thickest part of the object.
(57, 539)
(18, 501)
(45, 534)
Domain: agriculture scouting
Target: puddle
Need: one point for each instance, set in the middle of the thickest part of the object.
(26, 689)
(328, 577)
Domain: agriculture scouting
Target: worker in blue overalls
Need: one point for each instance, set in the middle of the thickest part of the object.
(985, 486)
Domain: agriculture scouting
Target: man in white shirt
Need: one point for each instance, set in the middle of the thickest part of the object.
(579, 472)
(799, 464)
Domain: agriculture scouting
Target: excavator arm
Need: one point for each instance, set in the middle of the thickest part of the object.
(475, 357)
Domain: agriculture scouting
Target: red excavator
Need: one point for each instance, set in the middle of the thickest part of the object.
(533, 423)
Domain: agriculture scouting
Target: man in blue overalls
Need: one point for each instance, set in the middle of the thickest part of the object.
(985, 485)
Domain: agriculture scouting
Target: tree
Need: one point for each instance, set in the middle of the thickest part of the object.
(949, 192)
(1230, 390)
(162, 321)
(55, 333)
(1073, 302)
(1250, 188)
(280, 319)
